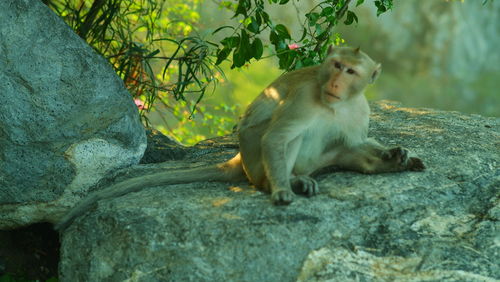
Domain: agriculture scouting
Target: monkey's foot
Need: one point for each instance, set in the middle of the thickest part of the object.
(415, 164)
(282, 197)
(401, 157)
(305, 185)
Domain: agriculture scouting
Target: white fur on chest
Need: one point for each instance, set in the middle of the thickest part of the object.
(350, 121)
(346, 125)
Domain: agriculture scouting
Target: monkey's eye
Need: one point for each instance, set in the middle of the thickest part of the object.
(351, 71)
(337, 65)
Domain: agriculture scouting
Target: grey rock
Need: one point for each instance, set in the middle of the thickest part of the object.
(66, 118)
(162, 148)
(437, 225)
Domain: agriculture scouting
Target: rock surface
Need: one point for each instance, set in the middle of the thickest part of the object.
(438, 225)
(66, 118)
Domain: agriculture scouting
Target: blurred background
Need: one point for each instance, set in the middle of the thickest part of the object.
(435, 54)
(441, 54)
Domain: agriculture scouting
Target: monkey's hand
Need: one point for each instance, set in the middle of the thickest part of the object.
(402, 159)
(305, 185)
(282, 196)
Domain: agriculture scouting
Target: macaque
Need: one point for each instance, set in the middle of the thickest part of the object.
(305, 120)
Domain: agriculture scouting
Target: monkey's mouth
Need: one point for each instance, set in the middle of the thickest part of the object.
(332, 95)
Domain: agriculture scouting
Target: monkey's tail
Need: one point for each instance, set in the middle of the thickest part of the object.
(231, 170)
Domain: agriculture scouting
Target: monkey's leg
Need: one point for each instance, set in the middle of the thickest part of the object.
(399, 159)
(279, 171)
(371, 157)
(251, 154)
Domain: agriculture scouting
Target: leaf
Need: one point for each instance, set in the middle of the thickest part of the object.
(257, 48)
(243, 52)
(286, 59)
(258, 19)
(222, 54)
(312, 18)
(308, 61)
(150, 73)
(221, 28)
(242, 9)
(152, 54)
(274, 38)
(231, 42)
(318, 29)
(244, 47)
(179, 46)
(265, 17)
(327, 11)
(283, 31)
(351, 17)
(238, 59)
(254, 25)
(383, 6)
(359, 2)
(298, 64)
(259, 4)
(322, 36)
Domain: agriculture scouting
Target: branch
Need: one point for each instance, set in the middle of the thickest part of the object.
(343, 10)
(339, 15)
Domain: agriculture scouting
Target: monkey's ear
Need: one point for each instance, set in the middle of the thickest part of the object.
(376, 73)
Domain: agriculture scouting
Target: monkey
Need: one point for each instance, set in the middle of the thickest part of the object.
(305, 120)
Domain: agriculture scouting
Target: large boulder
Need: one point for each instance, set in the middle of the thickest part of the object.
(66, 118)
(438, 225)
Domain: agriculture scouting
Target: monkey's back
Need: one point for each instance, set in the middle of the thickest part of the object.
(263, 106)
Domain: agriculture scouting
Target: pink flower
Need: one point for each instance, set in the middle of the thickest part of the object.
(293, 46)
(139, 104)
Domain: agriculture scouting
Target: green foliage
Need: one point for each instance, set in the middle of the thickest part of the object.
(383, 6)
(156, 46)
(317, 32)
(211, 120)
(151, 44)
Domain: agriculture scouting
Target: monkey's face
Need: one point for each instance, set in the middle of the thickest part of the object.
(345, 73)
(342, 80)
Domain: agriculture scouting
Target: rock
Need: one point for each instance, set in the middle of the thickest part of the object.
(437, 225)
(341, 264)
(66, 118)
(162, 148)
